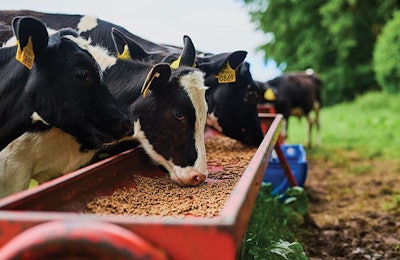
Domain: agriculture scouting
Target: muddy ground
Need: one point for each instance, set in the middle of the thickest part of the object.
(354, 208)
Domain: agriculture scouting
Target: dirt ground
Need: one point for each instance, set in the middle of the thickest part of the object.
(354, 209)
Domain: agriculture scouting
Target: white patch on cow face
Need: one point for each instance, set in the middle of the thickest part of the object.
(102, 56)
(41, 156)
(99, 53)
(212, 121)
(183, 176)
(37, 118)
(86, 23)
(193, 84)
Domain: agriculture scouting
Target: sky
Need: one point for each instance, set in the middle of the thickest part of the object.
(214, 26)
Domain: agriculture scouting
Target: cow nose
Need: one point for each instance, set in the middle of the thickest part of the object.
(197, 179)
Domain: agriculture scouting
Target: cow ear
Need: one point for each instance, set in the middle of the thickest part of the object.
(127, 48)
(187, 57)
(157, 76)
(227, 74)
(236, 58)
(214, 63)
(32, 39)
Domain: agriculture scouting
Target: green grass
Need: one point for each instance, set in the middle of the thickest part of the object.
(274, 218)
(369, 127)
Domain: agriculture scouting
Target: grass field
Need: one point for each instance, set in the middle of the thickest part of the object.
(369, 127)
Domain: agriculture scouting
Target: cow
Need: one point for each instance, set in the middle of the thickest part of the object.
(296, 94)
(55, 108)
(176, 145)
(167, 107)
(232, 109)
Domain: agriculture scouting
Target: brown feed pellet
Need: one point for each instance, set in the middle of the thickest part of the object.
(227, 159)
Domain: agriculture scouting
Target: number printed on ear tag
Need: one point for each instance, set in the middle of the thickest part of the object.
(226, 75)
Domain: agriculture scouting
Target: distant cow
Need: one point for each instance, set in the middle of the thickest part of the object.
(296, 94)
(55, 109)
(232, 90)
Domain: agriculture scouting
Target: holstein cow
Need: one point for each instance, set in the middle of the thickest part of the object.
(55, 108)
(168, 108)
(296, 94)
(232, 106)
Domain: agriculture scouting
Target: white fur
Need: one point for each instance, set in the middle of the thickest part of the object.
(86, 23)
(212, 121)
(193, 83)
(36, 118)
(99, 53)
(32, 156)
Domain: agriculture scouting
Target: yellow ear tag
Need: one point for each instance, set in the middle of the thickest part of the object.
(26, 55)
(125, 55)
(269, 95)
(226, 75)
(175, 64)
(148, 81)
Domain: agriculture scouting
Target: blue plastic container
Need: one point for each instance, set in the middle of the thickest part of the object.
(296, 158)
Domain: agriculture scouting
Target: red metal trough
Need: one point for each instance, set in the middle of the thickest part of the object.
(48, 220)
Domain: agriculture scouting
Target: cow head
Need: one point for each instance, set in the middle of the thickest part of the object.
(168, 109)
(66, 86)
(232, 96)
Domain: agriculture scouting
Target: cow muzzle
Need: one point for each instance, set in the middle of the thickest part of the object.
(187, 176)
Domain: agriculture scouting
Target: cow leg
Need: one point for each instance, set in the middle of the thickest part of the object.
(317, 123)
(284, 128)
(309, 136)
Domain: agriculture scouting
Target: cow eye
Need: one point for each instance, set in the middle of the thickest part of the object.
(178, 114)
(84, 75)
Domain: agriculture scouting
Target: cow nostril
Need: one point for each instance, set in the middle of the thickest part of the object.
(198, 178)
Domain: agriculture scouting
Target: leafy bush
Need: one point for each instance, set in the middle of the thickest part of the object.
(270, 232)
(387, 56)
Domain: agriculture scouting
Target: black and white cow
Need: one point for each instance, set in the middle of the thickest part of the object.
(55, 109)
(167, 107)
(169, 121)
(295, 94)
(230, 96)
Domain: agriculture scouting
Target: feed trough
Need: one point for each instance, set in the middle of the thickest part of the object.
(50, 219)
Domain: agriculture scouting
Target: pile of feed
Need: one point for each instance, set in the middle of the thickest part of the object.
(227, 159)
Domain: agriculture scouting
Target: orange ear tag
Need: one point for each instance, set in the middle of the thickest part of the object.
(226, 75)
(269, 95)
(26, 56)
(147, 83)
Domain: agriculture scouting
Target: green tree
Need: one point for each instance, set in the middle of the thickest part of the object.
(335, 38)
(387, 56)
